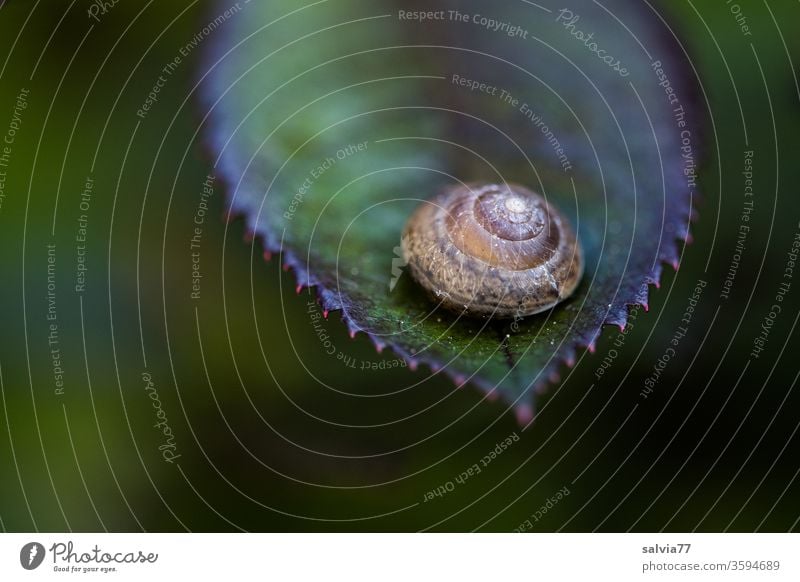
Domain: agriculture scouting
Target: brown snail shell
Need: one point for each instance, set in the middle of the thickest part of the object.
(492, 250)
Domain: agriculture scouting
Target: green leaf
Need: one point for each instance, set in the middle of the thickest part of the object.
(331, 122)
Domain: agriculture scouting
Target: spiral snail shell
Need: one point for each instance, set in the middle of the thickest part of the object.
(495, 250)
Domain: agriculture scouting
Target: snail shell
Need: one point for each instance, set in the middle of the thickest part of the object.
(492, 250)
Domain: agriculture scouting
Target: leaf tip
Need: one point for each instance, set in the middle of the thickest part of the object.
(524, 414)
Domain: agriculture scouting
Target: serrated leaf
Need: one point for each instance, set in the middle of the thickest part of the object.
(332, 121)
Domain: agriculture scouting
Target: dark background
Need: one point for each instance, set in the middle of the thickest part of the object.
(713, 448)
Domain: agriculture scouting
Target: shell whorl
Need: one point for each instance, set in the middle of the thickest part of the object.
(493, 250)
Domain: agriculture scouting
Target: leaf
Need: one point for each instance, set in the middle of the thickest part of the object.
(332, 121)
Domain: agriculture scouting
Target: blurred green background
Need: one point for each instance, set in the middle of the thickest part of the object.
(715, 447)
